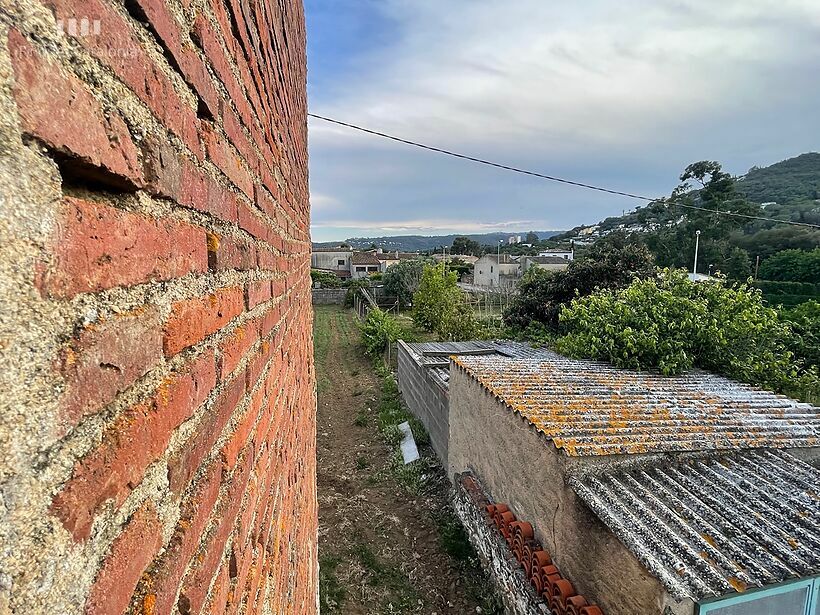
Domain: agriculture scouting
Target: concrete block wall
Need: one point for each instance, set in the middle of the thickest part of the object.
(157, 396)
(425, 399)
(329, 296)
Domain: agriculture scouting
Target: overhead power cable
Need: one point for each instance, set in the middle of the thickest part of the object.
(552, 178)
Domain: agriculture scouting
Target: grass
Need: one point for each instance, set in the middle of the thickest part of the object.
(362, 463)
(331, 592)
(404, 596)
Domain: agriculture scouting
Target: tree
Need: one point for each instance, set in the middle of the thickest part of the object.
(792, 266)
(671, 324)
(402, 280)
(466, 246)
(612, 262)
(699, 203)
(532, 238)
(439, 305)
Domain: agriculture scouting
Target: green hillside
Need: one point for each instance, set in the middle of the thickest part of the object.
(793, 180)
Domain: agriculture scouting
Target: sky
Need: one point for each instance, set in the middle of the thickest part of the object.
(618, 93)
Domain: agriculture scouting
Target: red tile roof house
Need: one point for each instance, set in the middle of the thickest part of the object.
(650, 495)
(364, 264)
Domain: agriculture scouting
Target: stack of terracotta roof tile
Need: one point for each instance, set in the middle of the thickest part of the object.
(544, 576)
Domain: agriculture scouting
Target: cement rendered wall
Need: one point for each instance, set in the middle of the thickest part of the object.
(157, 395)
(425, 399)
(518, 466)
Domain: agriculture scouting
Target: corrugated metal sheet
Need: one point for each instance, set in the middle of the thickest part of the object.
(710, 527)
(591, 408)
(435, 356)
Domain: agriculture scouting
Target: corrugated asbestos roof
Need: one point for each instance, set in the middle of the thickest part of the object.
(592, 408)
(706, 528)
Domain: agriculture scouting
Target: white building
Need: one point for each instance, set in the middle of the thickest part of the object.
(559, 252)
(490, 270)
(335, 260)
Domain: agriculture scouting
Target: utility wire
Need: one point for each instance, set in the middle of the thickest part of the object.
(551, 177)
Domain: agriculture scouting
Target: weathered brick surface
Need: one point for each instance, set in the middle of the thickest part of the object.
(174, 448)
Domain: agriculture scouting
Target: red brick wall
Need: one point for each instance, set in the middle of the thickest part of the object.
(162, 267)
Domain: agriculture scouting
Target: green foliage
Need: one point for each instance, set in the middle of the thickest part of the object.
(325, 278)
(466, 246)
(792, 266)
(805, 323)
(612, 262)
(788, 294)
(353, 287)
(671, 324)
(402, 280)
(379, 330)
(440, 305)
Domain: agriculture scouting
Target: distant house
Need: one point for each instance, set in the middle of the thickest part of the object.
(559, 252)
(549, 263)
(334, 260)
(496, 271)
(388, 259)
(364, 264)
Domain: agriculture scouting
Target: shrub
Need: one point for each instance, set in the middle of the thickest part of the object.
(440, 305)
(325, 278)
(671, 324)
(379, 330)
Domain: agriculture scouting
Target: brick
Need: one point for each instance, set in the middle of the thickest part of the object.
(195, 588)
(239, 440)
(105, 359)
(116, 46)
(226, 159)
(235, 346)
(194, 319)
(193, 69)
(230, 253)
(257, 292)
(184, 464)
(164, 580)
(97, 247)
(136, 439)
(52, 103)
(130, 554)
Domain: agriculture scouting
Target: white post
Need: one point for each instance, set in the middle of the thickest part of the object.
(697, 241)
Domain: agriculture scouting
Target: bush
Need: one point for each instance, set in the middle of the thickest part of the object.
(353, 287)
(440, 305)
(792, 266)
(325, 278)
(805, 322)
(671, 324)
(612, 262)
(379, 330)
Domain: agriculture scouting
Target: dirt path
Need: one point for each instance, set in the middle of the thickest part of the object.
(383, 547)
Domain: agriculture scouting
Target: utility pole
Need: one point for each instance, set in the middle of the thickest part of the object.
(697, 242)
(757, 265)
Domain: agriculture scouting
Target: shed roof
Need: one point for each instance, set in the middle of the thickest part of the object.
(435, 356)
(708, 527)
(593, 408)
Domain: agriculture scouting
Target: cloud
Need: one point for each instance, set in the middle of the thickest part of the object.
(623, 93)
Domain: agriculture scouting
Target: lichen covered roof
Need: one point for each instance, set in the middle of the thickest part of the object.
(709, 527)
(592, 408)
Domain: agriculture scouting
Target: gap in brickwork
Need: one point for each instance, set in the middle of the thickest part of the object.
(81, 175)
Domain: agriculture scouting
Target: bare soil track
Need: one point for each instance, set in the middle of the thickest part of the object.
(383, 548)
